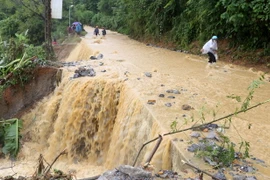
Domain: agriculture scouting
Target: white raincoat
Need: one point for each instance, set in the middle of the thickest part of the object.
(210, 46)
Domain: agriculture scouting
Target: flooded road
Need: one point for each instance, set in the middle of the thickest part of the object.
(116, 101)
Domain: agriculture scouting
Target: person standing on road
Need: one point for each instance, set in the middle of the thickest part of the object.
(104, 32)
(96, 31)
(211, 48)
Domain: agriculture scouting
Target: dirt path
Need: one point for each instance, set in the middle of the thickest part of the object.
(203, 87)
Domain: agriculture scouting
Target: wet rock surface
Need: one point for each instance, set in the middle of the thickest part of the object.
(126, 172)
(84, 71)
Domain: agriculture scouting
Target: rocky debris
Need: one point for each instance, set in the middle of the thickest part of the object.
(243, 177)
(125, 172)
(98, 57)
(187, 107)
(84, 71)
(174, 91)
(195, 134)
(148, 74)
(167, 174)
(218, 156)
(220, 175)
(168, 104)
(203, 127)
(151, 102)
(70, 63)
(161, 95)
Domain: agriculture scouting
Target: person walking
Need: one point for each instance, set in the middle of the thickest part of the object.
(96, 31)
(104, 32)
(210, 48)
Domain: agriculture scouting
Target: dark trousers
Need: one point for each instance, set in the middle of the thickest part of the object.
(212, 58)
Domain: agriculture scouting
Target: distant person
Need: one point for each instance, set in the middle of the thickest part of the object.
(211, 48)
(73, 27)
(78, 29)
(104, 32)
(96, 31)
(69, 30)
(54, 42)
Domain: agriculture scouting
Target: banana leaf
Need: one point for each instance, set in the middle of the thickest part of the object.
(11, 128)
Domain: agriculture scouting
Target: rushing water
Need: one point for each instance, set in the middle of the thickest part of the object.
(103, 121)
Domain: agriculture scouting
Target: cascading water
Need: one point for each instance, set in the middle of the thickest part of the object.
(103, 121)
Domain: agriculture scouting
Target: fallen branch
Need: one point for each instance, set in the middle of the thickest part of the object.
(213, 177)
(219, 119)
(154, 150)
(50, 166)
(142, 149)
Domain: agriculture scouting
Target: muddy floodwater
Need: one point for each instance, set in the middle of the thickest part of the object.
(102, 121)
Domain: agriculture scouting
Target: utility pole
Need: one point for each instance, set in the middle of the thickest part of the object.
(48, 25)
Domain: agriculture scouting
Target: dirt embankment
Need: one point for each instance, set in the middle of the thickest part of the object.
(17, 99)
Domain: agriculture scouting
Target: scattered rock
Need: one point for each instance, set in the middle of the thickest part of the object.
(167, 174)
(173, 91)
(161, 95)
(220, 175)
(195, 134)
(126, 172)
(148, 74)
(84, 71)
(98, 57)
(168, 104)
(187, 107)
(151, 102)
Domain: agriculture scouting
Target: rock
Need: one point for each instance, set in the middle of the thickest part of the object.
(187, 107)
(161, 95)
(176, 91)
(193, 148)
(220, 175)
(246, 168)
(148, 74)
(167, 174)
(239, 177)
(212, 135)
(169, 91)
(195, 134)
(171, 97)
(209, 161)
(173, 91)
(125, 172)
(99, 56)
(168, 104)
(84, 71)
(151, 102)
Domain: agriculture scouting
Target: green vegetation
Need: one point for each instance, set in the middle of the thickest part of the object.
(179, 22)
(9, 136)
(17, 60)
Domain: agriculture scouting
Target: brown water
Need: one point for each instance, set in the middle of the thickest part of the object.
(103, 121)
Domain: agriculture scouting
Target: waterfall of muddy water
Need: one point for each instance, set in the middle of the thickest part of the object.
(103, 121)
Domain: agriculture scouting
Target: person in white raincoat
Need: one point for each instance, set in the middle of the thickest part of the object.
(211, 48)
